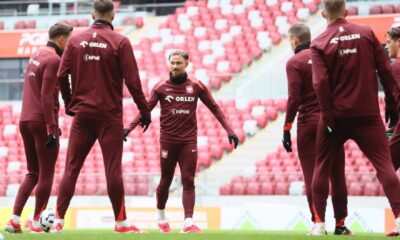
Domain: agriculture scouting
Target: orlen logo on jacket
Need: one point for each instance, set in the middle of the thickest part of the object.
(169, 98)
(93, 44)
(343, 38)
(88, 57)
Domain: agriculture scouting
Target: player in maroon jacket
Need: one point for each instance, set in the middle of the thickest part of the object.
(39, 125)
(178, 98)
(345, 59)
(393, 49)
(99, 60)
(302, 99)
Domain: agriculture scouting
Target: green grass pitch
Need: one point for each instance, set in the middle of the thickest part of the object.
(207, 235)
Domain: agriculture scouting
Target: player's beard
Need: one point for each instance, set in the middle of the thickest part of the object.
(178, 79)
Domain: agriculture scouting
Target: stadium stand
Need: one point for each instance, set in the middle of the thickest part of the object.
(222, 37)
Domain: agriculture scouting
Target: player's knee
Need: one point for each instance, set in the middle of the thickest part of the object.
(188, 183)
(165, 181)
(33, 176)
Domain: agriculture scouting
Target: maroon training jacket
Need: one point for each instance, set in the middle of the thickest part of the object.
(40, 96)
(301, 97)
(98, 60)
(345, 60)
(178, 109)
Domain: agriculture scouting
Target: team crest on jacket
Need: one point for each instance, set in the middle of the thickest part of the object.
(189, 89)
(164, 153)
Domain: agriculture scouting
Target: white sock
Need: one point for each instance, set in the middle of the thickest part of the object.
(188, 222)
(35, 224)
(16, 219)
(59, 220)
(397, 223)
(161, 216)
(122, 223)
(320, 225)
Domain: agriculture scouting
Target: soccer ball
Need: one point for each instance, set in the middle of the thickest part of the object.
(46, 220)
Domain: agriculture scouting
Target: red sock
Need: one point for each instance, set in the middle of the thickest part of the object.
(340, 222)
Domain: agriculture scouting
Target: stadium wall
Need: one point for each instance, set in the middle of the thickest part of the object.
(281, 213)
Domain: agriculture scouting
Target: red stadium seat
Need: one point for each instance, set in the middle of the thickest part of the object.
(352, 11)
(225, 189)
(377, 9)
(238, 189)
(397, 8)
(253, 189)
(355, 189)
(388, 9)
(371, 189)
(281, 188)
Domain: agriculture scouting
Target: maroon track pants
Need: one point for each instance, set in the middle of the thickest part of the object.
(369, 134)
(185, 154)
(84, 132)
(40, 162)
(306, 145)
(394, 144)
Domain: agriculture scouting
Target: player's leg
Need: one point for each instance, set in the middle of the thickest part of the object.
(327, 146)
(306, 137)
(371, 138)
(110, 135)
(81, 140)
(169, 153)
(187, 162)
(30, 179)
(394, 144)
(339, 193)
(47, 160)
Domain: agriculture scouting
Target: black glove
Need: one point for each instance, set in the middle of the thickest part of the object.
(144, 123)
(233, 139)
(51, 141)
(126, 132)
(287, 141)
(59, 132)
(69, 113)
(392, 117)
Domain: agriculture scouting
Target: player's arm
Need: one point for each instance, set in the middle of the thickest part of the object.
(130, 73)
(293, 103)
(64, 70)
(49, 83)
(208, 100)
(152, 103)
(389, 84)
(321, 87)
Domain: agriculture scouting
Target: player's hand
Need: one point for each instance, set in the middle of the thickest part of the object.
(69, 113)
(126, 132)
(233, 138)
(59, 132)
(391, 116)
(144, 123)
(51, 141)
(287, 141)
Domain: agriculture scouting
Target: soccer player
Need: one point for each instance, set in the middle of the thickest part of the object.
(393, 49)
(345, 59)
(178, 98)
(99, 60)
(302, 99)
(39, 126)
